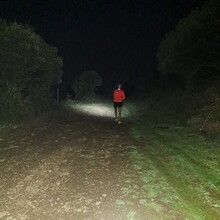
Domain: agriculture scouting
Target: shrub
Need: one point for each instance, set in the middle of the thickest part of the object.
(12, 107)
(84, 87)
(27, 64)
(193, 45)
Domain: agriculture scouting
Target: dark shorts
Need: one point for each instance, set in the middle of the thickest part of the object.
(118, 104)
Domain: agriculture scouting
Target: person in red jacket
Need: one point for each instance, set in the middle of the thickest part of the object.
(118, 98)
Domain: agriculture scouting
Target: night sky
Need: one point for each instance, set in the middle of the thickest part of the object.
(117, 39)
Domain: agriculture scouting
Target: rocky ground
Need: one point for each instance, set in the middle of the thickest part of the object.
(87, 167)
(65, 170)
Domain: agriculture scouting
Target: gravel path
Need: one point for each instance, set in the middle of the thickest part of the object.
(66, 170)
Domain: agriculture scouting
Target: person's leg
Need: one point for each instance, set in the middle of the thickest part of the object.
(116, 113)
(119, 113)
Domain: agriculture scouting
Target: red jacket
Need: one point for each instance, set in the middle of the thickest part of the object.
(118, 95)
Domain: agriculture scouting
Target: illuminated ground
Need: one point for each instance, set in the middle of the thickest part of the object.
(88, 167)
(65, 170)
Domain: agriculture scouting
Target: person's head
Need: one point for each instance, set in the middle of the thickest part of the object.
(119, 86)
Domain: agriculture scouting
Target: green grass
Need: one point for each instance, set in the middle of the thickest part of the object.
(179, 172)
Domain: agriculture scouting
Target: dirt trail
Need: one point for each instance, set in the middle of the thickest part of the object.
(65, 170)
(88, 167)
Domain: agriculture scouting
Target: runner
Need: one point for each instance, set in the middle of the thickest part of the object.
(118, 98)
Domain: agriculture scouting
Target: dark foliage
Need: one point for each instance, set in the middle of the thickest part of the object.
(85, 86)
(28, 68)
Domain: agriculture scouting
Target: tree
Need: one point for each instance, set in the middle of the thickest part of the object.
(84, 87)
(193, 44)
(27, 62)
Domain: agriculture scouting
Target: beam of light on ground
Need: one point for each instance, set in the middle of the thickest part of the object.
(96, 109)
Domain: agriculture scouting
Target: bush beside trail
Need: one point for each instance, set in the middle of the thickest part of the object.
(199, 111)
(28, 69)
(85, 86)
(189, 65)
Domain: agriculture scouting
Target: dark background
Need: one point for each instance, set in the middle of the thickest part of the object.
(117, 39)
